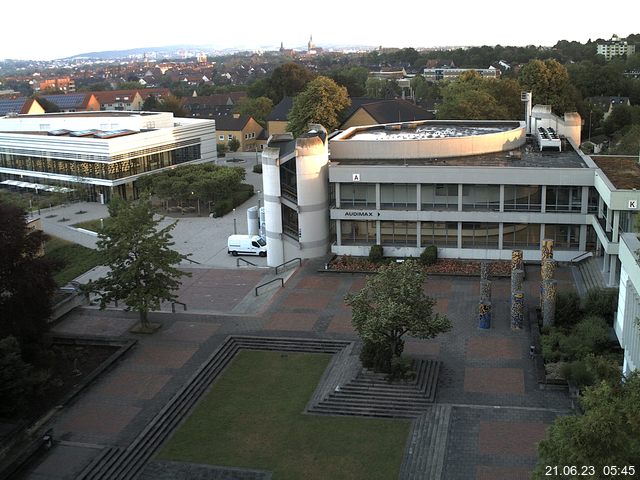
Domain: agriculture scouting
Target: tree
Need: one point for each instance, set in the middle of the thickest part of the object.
(139, 257)
(18, 380)
(353, 78)
(172, 104)
(607, 434)
(258, 108)
(321, 102)
(392, 304)
(151, 104)
(549, 83)
(286, 81)
(26, 281)
(234, 144)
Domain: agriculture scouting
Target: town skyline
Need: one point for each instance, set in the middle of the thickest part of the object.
(488, 23)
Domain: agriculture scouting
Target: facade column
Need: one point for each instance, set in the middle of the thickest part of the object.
(616, 226)
(501, 198)
(541, 235)
(613, 271)
(378, 233)
(337, 194)
(418, 197)
(584, 206)
(605, 263)
(543, 199)
(500, 235)
(600, 205)
(459, 234)
(418, 236)
(339, 233)
(459, 197)
(378, 197)
(583, 238)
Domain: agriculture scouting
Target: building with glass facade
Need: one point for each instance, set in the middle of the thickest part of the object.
(475, 189)
(105, 152)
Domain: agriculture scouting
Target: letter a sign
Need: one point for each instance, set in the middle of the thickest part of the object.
(356, 177)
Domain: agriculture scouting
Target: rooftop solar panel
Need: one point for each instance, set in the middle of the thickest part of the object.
(73, 100)
(11, 106)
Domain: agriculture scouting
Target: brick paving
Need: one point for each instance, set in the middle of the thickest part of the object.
(498, 411)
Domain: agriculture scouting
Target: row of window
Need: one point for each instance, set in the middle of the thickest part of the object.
(103, 170)
(474, 197)
(445, 234)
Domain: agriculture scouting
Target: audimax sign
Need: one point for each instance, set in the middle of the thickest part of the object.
(361, 213)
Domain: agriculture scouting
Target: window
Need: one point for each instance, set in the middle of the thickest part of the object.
(480, 235)
(290, 222)
(230, 136)
(522, 198)
(357, 232)
(564, 236)
(221, 138)
(518, 235)
(362, 195)
(398, 196)
(398, 233)
(439, 234)
(481, 197)
(439, 196)
(564, 199)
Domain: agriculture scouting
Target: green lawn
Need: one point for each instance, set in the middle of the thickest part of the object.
(252, 418)
(73, 259)
(93, 225)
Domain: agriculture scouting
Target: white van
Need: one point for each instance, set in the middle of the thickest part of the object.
(246, 245)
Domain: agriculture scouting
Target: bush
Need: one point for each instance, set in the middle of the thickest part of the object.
(590, 335)
(257, 168)
(18, 380)
(401, 369)
(551, 342)
(568, 311)
(429, 256)
(376, 254)
(593, 369)
(602, 302)
(222, 207)
(578, 373)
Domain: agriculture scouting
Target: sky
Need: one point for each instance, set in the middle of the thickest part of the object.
(43, 31)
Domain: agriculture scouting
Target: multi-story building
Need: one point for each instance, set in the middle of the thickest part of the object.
(626, 322)
(437, 74)
(104, 152)
(615, 47)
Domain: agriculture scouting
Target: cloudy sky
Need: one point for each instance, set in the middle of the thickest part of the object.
(45, 30)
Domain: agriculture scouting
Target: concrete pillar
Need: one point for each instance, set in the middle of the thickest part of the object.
(312, 177)
(600, 206)
(272, 205)
(541, 234)
(605, 263)
(616, 226)
(547, 248)
(517, 310)
(378, 197)
(584, 206)
(613, 271)
(502, 198)
(484, 271)
(517, 279)
(459, 234)
(418, 235)
(378, 233)
(517, 262)
(543, 199)
(484, 315)
(418, 197)
(459, 197)
(500, 235)
(548, 269)
(337, 193)
(338, 232)
(583, 238)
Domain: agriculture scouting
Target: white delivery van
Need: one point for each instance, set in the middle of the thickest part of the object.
(246, 245)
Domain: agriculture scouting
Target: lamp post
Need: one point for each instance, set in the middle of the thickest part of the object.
(235, 226)
(590, 112)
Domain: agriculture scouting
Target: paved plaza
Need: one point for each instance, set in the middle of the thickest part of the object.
(487, 377)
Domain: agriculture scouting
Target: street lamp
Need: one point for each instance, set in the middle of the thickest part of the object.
(235, 226)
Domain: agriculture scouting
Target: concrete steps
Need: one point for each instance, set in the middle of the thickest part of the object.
(426, 449)
(591, 275)
(121, 464)
(370, 394)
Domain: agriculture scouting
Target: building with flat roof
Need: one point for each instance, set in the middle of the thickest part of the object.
(615, 48)
(105, 152)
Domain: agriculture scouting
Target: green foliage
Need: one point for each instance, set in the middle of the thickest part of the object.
(607, 434)
(258, 108)
(354, 79)
(568, 311)
(376, 253)
(322, 101)
(26, 282)
(234, 144)
(222, 149)
(590, 335)
(549, 83)
(593, 369)
(393, 303)
(429, 255)
(382, 88)
(238, 197)
(376, 356)
(141, 262)
(151, 104)
(476, 98)
(286, 81)
(628, 143)
(257, 168)
(18, 379)
(602, 302)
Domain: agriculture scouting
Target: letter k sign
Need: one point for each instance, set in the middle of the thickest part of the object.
(633, 203)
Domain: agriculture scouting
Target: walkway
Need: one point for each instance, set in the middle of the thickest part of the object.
(495, 410)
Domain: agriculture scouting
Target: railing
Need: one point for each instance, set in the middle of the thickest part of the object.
(582, 256)
(299, 260)
(270, 282)
(238, 260)
(173, 306)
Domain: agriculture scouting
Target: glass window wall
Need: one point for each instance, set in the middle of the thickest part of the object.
(439, 196)
(521, 235)
(480, 235)
(358, 195)
(398, 233)
(355, 232)
(439, 234)
(398, 196)
(481, 197)
(519, 198)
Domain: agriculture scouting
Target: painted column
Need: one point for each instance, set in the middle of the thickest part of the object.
(549, 291)
(517, 310)
(547, 248)
(517, 279)
(484, 271)
(484, 315)
(485, 291)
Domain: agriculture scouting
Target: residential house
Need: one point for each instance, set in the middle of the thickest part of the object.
(241, 127)
(121, 100)
(21, 106)
(278, 118)
(64, 85)
(74, 102)
(369, 111)
(606, 104)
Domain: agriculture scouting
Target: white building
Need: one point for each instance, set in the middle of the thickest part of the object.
(104, 151)
(615, 47)
(626, 322)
